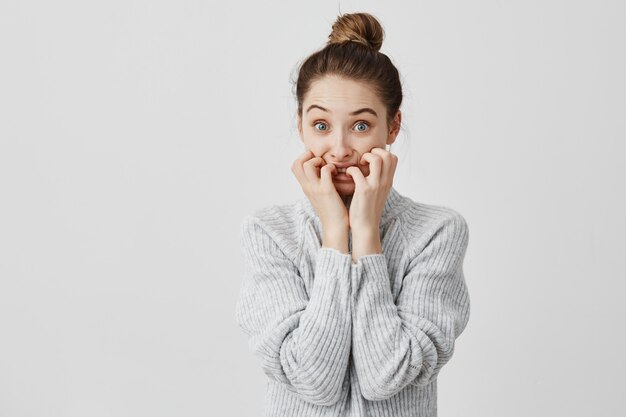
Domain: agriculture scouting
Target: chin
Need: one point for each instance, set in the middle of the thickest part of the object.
(344, 188)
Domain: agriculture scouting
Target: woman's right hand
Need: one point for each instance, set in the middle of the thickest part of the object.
(317, 184)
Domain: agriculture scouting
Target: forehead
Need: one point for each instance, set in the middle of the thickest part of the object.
(341, 94)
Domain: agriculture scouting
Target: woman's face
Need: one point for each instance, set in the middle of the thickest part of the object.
(341, 120)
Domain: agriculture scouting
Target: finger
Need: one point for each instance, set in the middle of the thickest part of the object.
(390, 162)
(326, 175)
(383, 154)
(357, 176)
(305, 156)
(311, 168)
(296, 166)
(376, 165)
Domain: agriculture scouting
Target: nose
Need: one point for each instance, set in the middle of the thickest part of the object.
(341, 147)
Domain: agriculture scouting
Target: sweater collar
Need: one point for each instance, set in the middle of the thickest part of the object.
(393, 206)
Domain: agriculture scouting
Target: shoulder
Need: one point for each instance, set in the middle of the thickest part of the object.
(279, 223)
(423, 223)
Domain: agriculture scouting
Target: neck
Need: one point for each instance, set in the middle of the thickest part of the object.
(347, 199)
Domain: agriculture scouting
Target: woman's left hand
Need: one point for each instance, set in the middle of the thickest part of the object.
(370, 194)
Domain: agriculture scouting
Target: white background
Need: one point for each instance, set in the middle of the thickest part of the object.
(135, 136)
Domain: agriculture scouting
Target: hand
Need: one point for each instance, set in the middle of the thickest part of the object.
(317, 184)
(370, 194)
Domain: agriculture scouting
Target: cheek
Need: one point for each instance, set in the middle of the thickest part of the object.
(311, 146)
(310, 143)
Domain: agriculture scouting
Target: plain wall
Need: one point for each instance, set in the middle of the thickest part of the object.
(136, 135)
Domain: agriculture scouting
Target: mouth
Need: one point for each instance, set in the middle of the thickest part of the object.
(342, 170)
(341, 176)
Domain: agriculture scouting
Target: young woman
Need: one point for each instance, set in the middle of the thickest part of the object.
(354, 295)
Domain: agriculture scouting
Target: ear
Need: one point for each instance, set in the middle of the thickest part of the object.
(300, 127)
(395, 128)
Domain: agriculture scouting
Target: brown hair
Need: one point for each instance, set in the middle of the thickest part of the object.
(352, 51)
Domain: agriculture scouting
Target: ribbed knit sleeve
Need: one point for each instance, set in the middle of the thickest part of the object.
(409, 340)
(303, 340)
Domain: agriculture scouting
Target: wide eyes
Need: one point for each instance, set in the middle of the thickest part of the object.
(324, 127)
(360, 126)
(365, 126)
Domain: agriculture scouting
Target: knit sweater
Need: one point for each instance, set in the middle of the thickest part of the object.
(339, 338)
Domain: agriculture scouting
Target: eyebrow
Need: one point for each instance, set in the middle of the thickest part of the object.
(354, 113)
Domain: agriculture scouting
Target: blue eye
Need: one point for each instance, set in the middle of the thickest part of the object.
(320, 123)
(363, 124)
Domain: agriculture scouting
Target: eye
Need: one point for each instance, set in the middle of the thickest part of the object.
(320, 123)
(362, 123)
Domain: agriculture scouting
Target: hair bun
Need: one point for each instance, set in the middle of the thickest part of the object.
(357, 27)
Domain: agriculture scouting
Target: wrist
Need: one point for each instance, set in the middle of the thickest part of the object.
(337, 238)
(365, 242)
(367, 232)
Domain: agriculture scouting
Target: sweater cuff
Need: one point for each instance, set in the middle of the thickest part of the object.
(374, 265)
(333, 261)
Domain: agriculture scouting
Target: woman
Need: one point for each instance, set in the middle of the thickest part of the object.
(353, 295)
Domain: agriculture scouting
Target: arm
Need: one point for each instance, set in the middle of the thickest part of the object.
(408, 342)
(303, 342)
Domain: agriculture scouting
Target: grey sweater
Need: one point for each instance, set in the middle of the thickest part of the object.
(338, 338)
